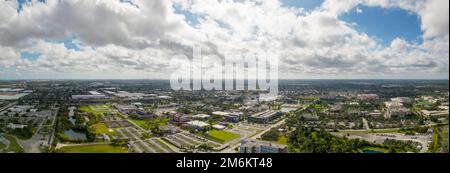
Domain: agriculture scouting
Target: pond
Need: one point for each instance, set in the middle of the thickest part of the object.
(372, 151)
(73, 135)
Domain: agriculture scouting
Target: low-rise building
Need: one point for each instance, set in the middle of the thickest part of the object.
(264, 117)
(201, 117)
(395, 109)
(230, 116)
(219, 127)
(405, 100)
(254, 146)
(16, 126)
(199, 125)
(367, 97)
(168, 129)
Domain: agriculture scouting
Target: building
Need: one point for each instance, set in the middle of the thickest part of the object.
(230, 116)
(428, 114)
(125, 108)
(201, 117)
(15, 126)
(367, 97)
(254, 146)
(198, 125)
(404, 100)
(168, 129)
(264, 117)
(285, 108)
(88, 97)
(395, 109)
(180, 118)
(219, 127)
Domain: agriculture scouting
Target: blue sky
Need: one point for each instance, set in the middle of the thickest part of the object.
(306, 4)
(32, 56)
(386, 24)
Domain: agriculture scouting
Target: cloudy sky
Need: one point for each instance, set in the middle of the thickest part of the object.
(313, 39)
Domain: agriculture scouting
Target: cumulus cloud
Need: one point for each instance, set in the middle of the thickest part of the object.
(140, 36)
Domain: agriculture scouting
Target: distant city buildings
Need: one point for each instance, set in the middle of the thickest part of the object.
(367, 97)
(13, 93)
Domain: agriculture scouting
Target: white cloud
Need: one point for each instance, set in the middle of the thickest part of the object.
(125, 40)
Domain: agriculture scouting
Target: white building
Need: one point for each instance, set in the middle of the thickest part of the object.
(254, 146)
(199, 125)
(219, 127)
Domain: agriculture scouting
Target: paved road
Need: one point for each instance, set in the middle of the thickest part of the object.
(237, 143)
(366, 124)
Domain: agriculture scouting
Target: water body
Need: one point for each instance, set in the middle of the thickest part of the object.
(372, 151)
(73, 135)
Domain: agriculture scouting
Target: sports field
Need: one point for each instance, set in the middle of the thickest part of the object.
(97, 110)
(101, 128)
(222, 136)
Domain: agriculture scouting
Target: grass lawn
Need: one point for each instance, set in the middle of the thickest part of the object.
(13, 145)
(444, 136)
(103, 148)
(140, 123)
(222, 136)
(97, 110)
(283, 140)
(101, 128)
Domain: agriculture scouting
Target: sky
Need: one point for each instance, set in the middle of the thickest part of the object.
(138, 39)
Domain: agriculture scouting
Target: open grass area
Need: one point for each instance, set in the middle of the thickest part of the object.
(101, 128)
(444, 138)
(97, 110)
(103, 148)
(283, 140)
(221, 136)
(140, 123)
(13, 145)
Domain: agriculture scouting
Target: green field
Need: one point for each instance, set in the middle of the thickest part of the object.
(444, 136)
(97, 110)
(101, 128)
(221, 136)
(140, 123)
(13, 145)
(103, 148)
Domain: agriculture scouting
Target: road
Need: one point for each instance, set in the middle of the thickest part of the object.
(366, 124)
(237, 143)
(7, 106)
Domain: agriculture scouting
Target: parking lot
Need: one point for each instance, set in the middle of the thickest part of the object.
(188, 140)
